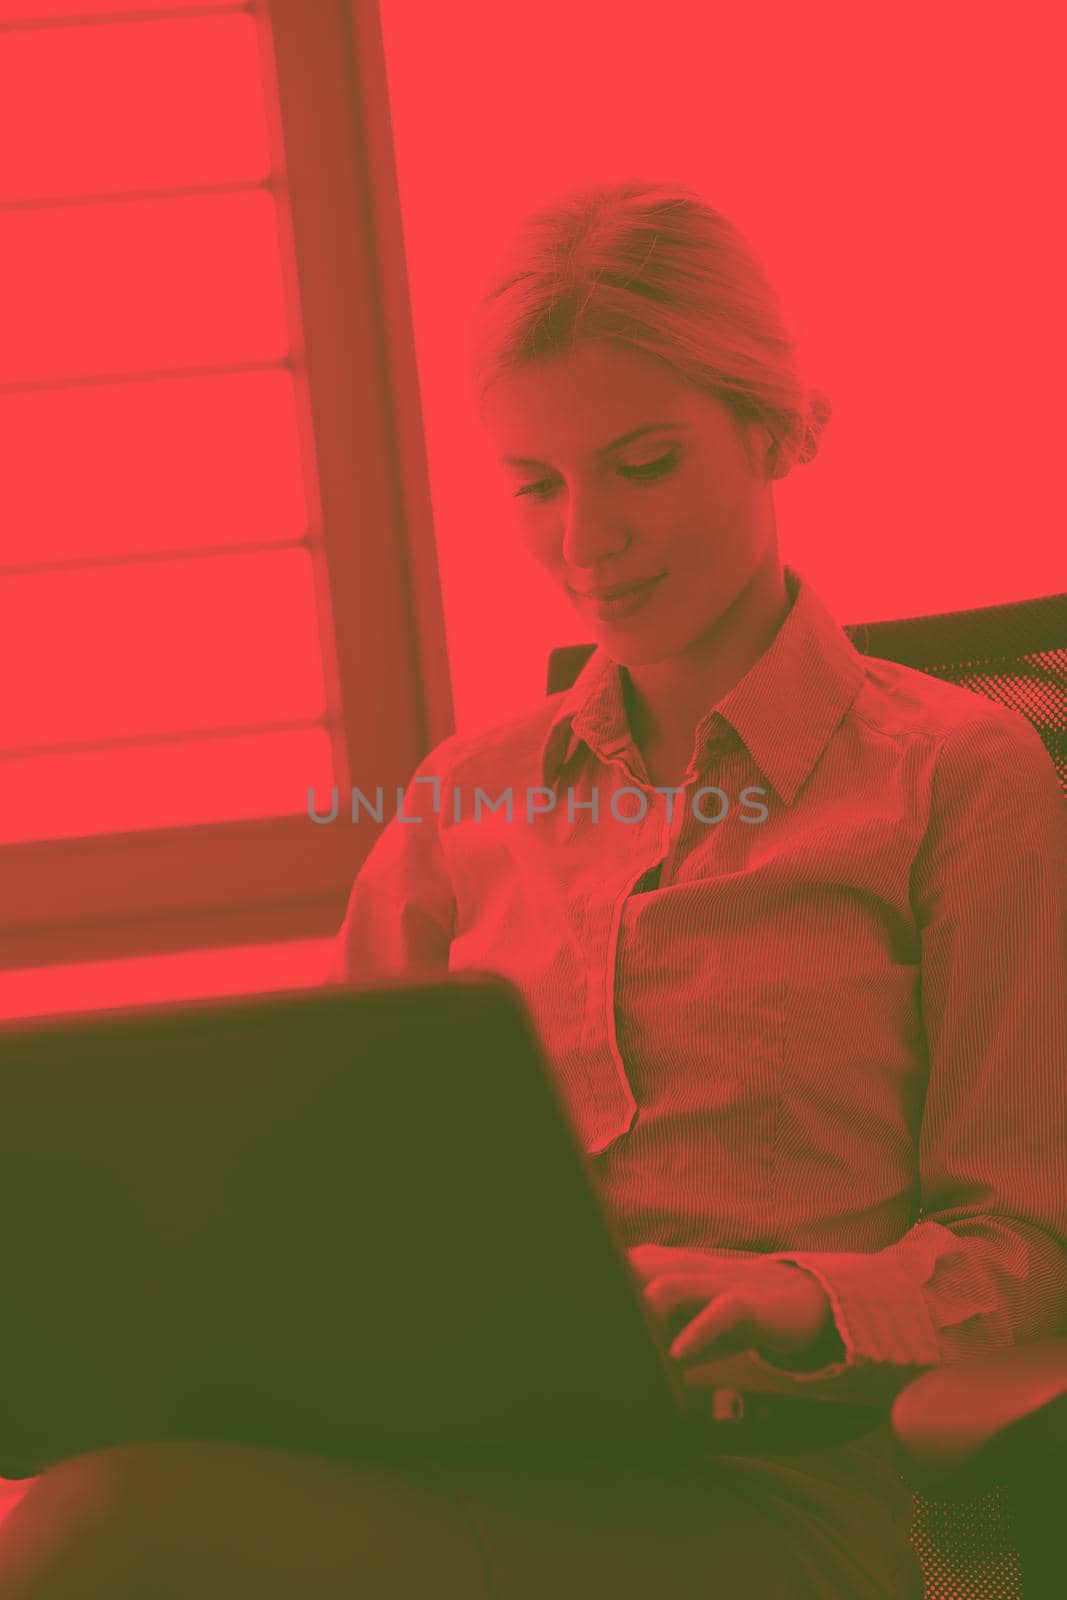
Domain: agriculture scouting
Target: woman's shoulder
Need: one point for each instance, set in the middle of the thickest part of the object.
(971, 742)
(901, 699)
(508, 751)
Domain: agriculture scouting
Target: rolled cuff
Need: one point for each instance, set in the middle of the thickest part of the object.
(879, 1309)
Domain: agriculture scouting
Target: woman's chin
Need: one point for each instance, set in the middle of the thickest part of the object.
(633, 650)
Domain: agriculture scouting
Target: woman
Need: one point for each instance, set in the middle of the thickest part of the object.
(810, 1028)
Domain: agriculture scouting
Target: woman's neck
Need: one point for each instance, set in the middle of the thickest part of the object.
(665, 700)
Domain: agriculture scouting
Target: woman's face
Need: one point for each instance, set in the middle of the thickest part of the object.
(621, 471)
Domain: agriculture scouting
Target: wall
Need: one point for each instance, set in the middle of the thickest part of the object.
(895, 167)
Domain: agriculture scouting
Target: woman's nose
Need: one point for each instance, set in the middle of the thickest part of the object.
(590, 536)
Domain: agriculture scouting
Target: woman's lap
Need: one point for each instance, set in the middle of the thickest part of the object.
(717, 1529)
(177, 1521)
(172, 1521)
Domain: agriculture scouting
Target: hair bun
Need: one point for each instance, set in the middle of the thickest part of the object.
(819, 412)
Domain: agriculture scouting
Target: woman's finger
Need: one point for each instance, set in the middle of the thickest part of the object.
(650, 1260)
(672, 1290)
(654, 1260)
(722, 1326)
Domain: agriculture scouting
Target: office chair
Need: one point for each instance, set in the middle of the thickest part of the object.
(979, 1441)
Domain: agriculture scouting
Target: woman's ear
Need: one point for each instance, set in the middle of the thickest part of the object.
(761, 449)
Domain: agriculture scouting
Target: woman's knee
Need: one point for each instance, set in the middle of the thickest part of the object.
(177, 1519)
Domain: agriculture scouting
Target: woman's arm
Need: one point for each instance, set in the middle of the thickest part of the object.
(401, 911)
(986, 1264)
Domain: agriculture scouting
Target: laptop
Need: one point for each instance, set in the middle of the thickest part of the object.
(356, 1222)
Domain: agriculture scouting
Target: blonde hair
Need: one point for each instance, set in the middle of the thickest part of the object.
(656, 267)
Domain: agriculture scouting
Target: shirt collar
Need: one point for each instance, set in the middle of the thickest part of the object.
(784, 709)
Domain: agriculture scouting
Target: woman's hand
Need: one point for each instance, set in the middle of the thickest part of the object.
(714, 1306)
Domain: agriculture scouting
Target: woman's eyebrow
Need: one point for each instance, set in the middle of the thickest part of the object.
(605, 449)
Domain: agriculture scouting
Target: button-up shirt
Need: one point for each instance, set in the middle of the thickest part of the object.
(812, 1005)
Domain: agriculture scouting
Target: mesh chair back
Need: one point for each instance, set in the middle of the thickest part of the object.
(1016, 654)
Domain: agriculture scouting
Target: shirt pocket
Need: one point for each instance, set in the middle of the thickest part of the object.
(706, 1062)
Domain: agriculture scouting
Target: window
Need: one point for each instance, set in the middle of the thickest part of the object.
(218, 585)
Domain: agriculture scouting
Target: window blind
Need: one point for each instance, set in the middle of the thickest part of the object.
(218, 575)
(161, 642)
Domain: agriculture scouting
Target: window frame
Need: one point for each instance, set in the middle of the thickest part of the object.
(364, 462)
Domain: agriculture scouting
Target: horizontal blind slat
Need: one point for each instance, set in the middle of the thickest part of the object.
(152, 980)
(117, 652)
(127, 469)
(167, 785)
(31, 13)
(178, 104)
(167, 284)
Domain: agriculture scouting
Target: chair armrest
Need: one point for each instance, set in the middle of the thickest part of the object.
(965, 1425)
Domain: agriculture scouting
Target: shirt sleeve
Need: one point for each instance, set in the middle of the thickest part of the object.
(399, 921)
(985, 1265)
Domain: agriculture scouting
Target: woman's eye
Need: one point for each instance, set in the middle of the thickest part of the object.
(647, 470)
(642, 472)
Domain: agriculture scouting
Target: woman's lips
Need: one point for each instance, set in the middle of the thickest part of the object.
(617, 590)
(623, 603)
